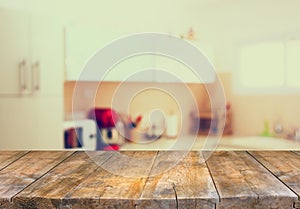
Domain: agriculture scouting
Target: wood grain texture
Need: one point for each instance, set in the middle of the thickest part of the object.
(8, 157)
(297, 152)
(171, 179)
(243, 183)
(131, 163)
(49, 191)
(285, 165)
(21, 173)
(184, 184)
(120, 189)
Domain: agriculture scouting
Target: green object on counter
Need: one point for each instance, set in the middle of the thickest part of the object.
(266, 131)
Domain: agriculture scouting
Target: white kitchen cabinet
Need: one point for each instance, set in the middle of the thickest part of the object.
(133, 69)
(30, 123)
(46, 55)
(31, 118)
(173, 71)
(14, 53)
(176, 71)
(82, 42)
(30, 47)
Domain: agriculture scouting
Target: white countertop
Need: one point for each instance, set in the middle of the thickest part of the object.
(224, 143)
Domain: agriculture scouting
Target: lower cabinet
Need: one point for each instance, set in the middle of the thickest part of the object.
(31, 123)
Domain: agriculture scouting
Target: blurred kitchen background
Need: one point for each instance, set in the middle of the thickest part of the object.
(253, 45)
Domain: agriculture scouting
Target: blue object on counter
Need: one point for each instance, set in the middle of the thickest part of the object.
(214, 125)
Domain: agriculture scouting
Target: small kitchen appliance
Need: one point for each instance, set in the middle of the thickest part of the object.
(109, 123)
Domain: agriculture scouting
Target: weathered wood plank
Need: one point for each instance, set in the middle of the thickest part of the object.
(120, 189)
(8, 157)
(283, 164)
(130, 163)
(297, 152)
(297, 204)
(21, 173)
(243, 183)
(180, 183)
(49, 191)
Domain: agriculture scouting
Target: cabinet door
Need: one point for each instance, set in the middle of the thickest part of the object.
(46, 49)
(82, 42)
(31, 123)
(171, 70)
(133, 69)
(49, 128)
(18, 123)
(14, 53)
(46, 55)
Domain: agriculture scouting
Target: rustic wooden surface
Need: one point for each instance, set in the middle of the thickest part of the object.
(256, 180)
(297, 152)
(8, 157)
(49, 191)
(104, 189)
(242, 182)
(284, 165)
(186, 185)
(24, 171)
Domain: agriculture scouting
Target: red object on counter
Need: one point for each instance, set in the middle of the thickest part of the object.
(105, 117)
(134, 124)
(138, 119)
(112, 147)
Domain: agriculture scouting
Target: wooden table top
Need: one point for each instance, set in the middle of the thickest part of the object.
(227, 179)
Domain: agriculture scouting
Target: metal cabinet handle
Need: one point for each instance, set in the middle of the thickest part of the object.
(23, 83)
(36, 76)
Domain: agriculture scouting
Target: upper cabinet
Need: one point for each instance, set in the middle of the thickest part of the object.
(83, 41)
(173, 71)
(14, 52)
(46, 55)
(31, 54)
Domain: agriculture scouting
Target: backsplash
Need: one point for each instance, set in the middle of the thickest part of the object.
(142, 102)
(136, 101)
(249, 111)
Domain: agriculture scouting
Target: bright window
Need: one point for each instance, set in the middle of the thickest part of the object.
(269, 65)
(293, 63)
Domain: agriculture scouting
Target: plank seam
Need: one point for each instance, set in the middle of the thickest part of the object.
(272, 173)
(86, 177)
(211, 176)
(148, 176)
(296, 152)
(19, 157)
(175, 192)
(135, 201)
(296, 205)
(11, 199)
